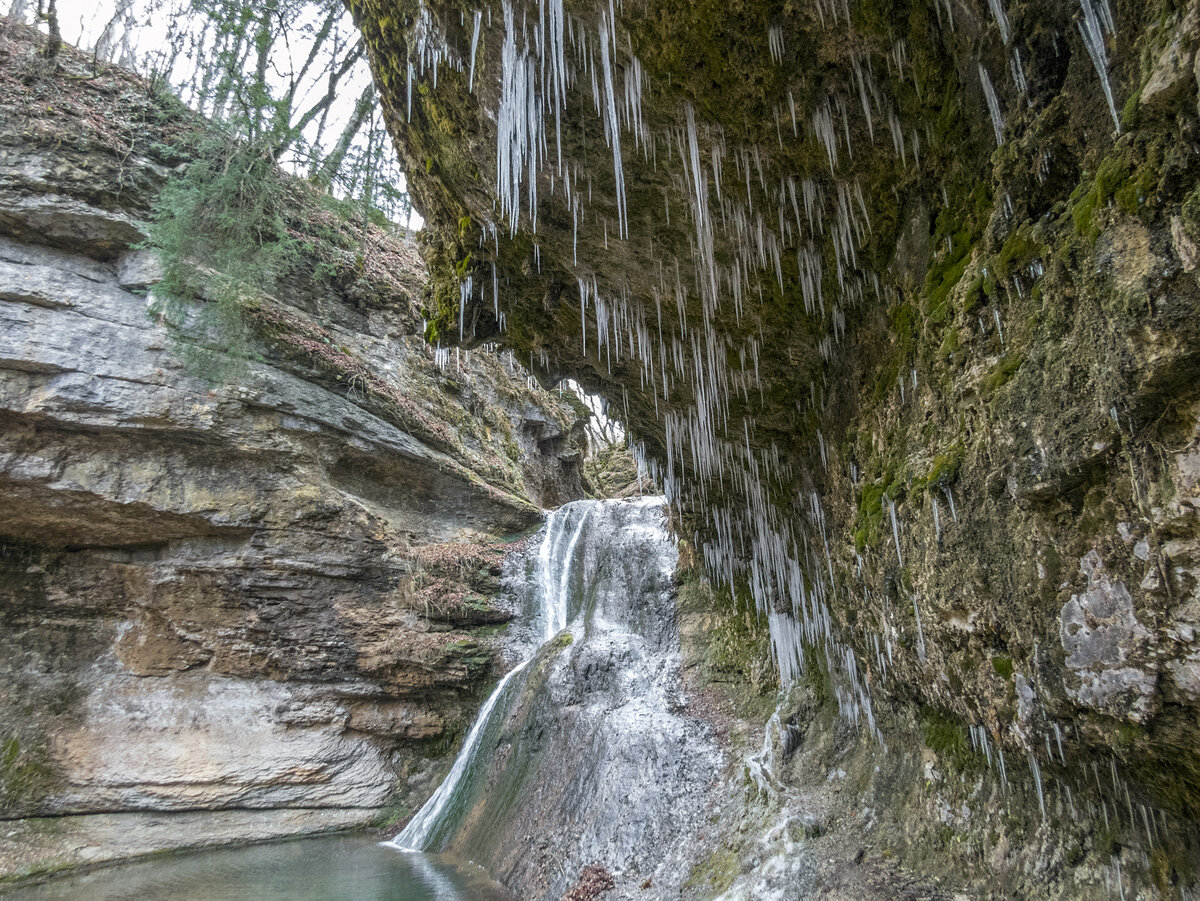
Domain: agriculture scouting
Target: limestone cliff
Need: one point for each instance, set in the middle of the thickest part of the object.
(900, 299)
(240, 609)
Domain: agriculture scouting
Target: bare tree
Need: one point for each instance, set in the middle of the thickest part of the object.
(326, 169)
(272, 74)
(48, 13)
(18, 11)
(116, 29)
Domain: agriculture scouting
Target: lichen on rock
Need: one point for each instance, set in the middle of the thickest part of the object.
(1101, 635)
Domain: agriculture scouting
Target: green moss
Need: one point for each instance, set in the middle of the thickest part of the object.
(944, 468)
(869, 519)
(1171, 865)
(391, 815)
(727, 646)
(1002, 372)
(946, 735)
(470, 654)
(25, 774)
(887, 378)
(987, 287)
(817, 680)
(1098, 510)
(942, 733)
(949, 346)
(716, 874)
(1018, 251)
(905, 329)
(1106, 843)
(1003, 666)
(1128, 178)
(740, 641)
(1082, 214)
(1111, 174)
(942, 279)
(1129, 112)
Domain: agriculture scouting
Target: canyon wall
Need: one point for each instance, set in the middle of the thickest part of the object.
(235, 608)
(899, 300)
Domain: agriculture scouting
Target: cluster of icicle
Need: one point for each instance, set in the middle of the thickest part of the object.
(740, 222)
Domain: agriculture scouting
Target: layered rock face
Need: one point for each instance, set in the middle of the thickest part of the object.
(238, 609)
(901, 300)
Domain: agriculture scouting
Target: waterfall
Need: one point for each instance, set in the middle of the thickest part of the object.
(415, 835)
(554, 566)
(555, 554)
(586, 748)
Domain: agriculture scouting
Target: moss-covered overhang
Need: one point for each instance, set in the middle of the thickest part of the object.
(758, 113)
(856, 147)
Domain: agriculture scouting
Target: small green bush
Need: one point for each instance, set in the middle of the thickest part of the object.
(220, 234)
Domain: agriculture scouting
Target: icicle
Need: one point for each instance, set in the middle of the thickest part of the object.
(613, 127)
(474, 46)
(950, 500)
(895, 532)
(993, 105)
(464, 294)
(775, 44)
(920, 631)
(1093, 29)
(1018, 73)
(997, 8)
(409, 90)
(1037, 781)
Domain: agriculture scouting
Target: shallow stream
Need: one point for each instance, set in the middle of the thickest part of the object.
(344, 867)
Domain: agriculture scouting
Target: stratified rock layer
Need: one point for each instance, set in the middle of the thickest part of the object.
(241, 609)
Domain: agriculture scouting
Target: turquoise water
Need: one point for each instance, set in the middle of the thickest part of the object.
(345, 868)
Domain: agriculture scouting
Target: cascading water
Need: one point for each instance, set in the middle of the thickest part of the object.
(415, 836)
(554, 558)
(583, 749)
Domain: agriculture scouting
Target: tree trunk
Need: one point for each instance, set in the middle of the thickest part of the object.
(54, 40)
(331, 164)
(18, 11)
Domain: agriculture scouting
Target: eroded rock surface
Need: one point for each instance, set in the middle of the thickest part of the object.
(238, 609)
(901, 301)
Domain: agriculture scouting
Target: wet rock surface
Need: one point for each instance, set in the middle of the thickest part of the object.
(928, 408)
(901, 299)
(594, 756)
